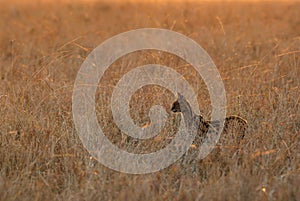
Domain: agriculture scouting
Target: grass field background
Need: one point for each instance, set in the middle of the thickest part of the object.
(255, 46)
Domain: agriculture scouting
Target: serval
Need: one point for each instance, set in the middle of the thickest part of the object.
(233, 132)
(181, 105)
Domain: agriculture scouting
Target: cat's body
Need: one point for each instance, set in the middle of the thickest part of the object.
(192, 119)
(228, 145)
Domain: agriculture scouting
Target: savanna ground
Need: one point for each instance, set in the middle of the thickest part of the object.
(255, 46)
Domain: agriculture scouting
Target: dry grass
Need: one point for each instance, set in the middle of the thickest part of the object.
(255, 47)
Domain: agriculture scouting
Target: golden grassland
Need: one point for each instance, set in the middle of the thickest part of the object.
(255, 47)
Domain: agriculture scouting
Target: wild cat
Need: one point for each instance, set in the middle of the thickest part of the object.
(229, 139)
(181, 105)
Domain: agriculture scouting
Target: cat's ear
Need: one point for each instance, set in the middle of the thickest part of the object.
(176, 107)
